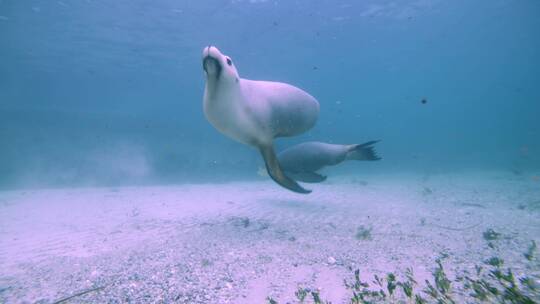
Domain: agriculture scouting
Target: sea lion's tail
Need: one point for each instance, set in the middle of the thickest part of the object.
(275, 172)
(364, 151)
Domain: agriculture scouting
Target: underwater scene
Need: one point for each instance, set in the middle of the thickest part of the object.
(269, 151)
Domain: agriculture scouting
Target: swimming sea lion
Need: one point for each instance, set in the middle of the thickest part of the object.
(301, 162)
(255, 112)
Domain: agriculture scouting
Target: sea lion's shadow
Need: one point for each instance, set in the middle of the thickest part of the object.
(298, 205)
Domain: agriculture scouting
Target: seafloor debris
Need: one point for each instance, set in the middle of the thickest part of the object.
(241, 221)
(494, 261)
(491, 235)
(534, 206)
(301, 294)
(491, 285)
(331, 260)
(531, 251)
(473, 205)
(78, 294)
(427, 191)
(363, 233)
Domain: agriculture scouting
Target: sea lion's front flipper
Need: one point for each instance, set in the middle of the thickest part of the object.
(307, 177)
(275, 172)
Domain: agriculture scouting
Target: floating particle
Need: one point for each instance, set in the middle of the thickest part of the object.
(423, 101)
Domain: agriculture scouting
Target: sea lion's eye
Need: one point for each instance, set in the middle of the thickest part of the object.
(229, 62)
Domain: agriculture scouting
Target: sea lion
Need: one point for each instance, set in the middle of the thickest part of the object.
(255, 112)
(301, 161)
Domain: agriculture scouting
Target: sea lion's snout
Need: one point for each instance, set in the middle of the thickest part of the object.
(211, 63)
(211, 66)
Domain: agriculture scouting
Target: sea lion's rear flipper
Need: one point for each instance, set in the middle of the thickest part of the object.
(364, 151)
(275, 172)
(307, 177)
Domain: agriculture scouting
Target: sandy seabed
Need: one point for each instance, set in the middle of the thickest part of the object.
(245, 241)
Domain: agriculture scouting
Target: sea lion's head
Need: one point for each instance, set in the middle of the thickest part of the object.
(218, 67)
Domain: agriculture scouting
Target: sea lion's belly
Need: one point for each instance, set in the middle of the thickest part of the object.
(288, 110)
(293, 118)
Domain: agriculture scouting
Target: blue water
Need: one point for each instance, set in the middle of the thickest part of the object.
(110, 92)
